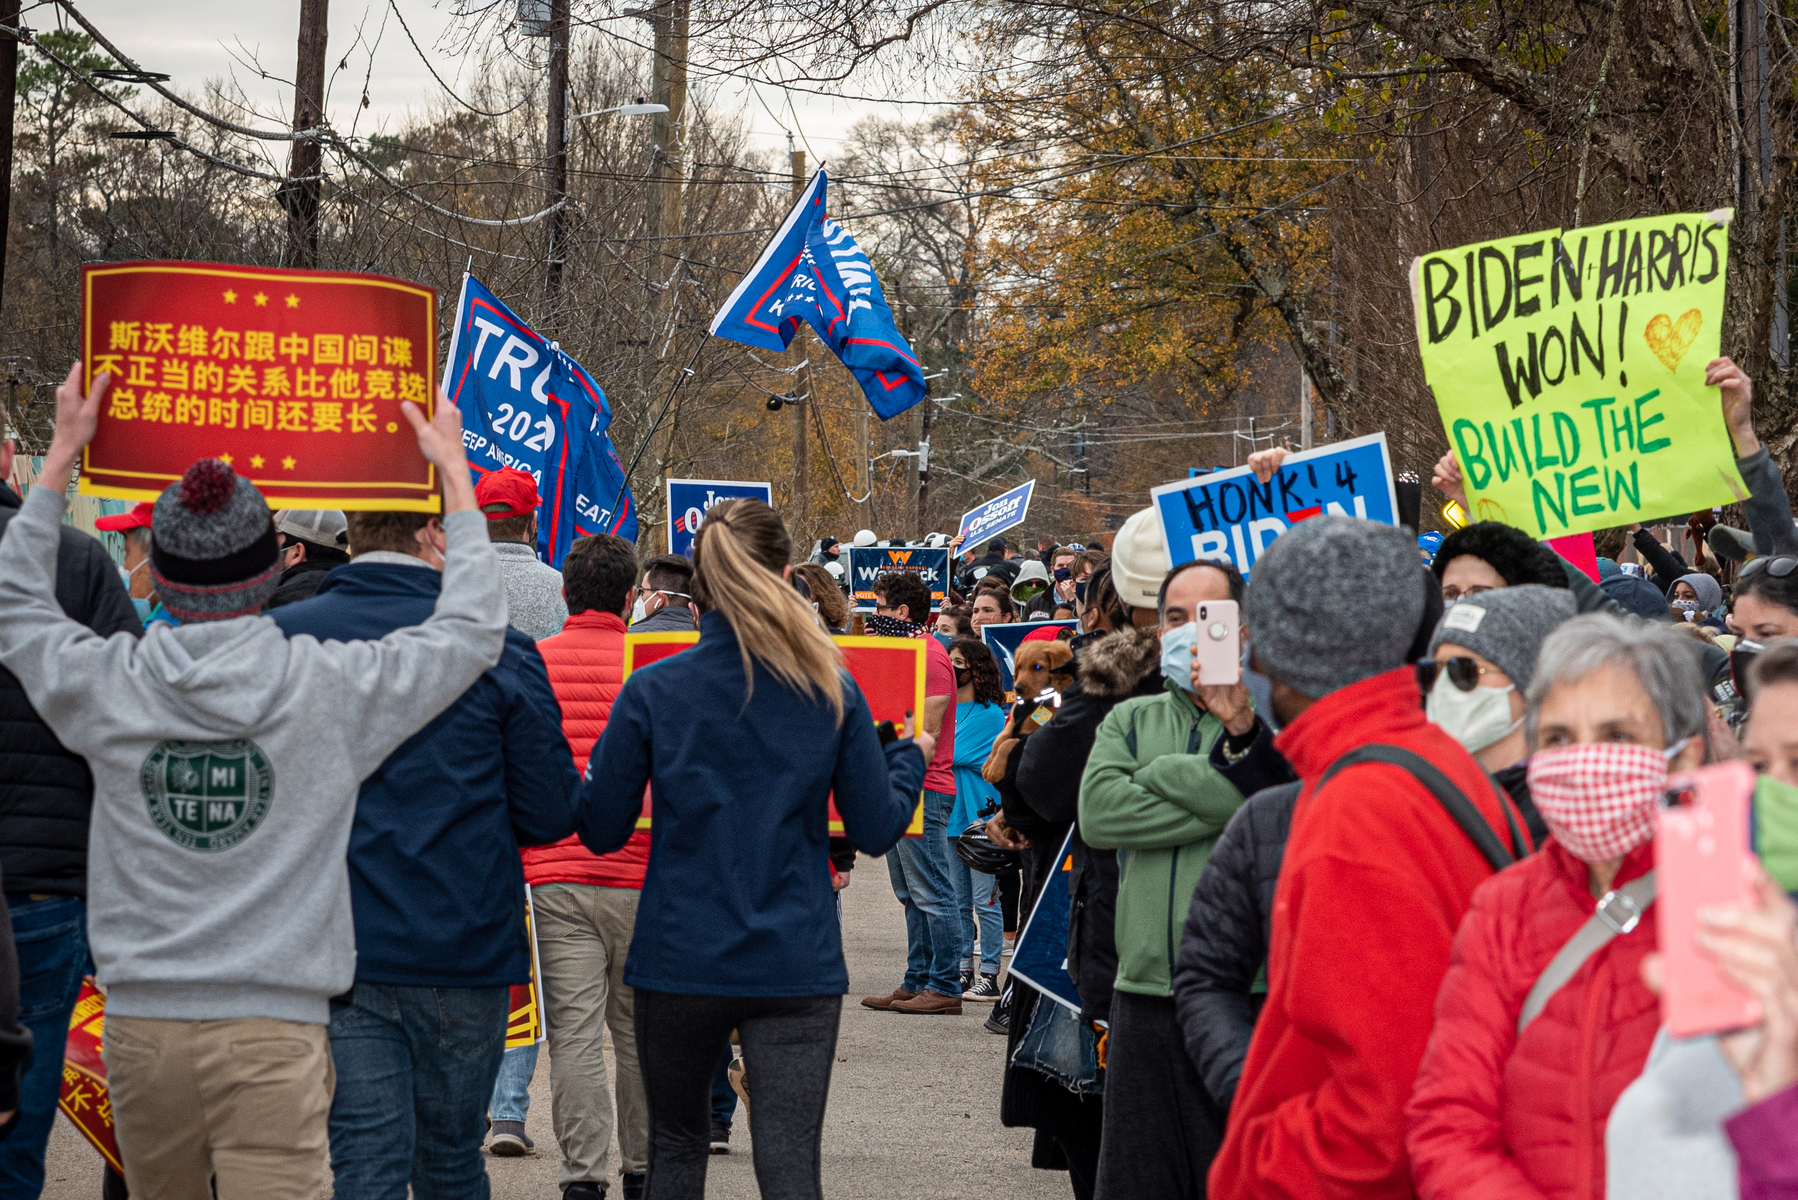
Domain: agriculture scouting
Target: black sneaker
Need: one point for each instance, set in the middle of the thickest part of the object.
(984, 992)
(585, 1191)
(967, 981)
(633, 1185)
(720, 1138)
(1000, 1021)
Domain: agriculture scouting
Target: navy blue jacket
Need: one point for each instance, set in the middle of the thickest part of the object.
(436, 886)
(737, 901)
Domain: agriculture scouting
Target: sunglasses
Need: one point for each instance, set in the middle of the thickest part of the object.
(1464, 673)
(1779, 566)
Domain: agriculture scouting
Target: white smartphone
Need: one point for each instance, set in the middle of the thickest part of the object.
(1218, 647)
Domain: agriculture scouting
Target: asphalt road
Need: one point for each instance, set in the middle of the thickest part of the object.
(914, 1102)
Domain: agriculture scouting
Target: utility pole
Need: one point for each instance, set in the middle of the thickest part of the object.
(299, 195)
(864, 470)
(665, 252)
(555, 144)
(1304, 408)
(9, 80)
(801, 448)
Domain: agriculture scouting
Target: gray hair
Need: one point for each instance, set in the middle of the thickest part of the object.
(1663, 662)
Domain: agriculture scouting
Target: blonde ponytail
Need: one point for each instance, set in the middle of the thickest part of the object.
(737, 559)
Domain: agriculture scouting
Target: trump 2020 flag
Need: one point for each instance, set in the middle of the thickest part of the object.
(528, 406)
(813, 270)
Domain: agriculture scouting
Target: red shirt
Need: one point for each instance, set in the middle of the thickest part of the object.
(939, 680)
(1375, 880)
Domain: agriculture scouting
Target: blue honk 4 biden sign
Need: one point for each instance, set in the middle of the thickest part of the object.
(1231, 514)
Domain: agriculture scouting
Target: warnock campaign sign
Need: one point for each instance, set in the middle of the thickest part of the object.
(993, 518)
(1569, 368)
(869, 563)
(1004, 640)
(689, 499)
(813, 271)
(1231, 514)
(528, 406)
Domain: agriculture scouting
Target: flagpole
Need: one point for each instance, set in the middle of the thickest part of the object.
(650, 436)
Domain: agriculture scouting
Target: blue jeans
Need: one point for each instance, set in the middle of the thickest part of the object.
(919, 868)
(977, 893)
(512, 1090)
(415, 1069)
(51, 936)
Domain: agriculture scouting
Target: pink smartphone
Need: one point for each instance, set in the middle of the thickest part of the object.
(1218, 648)
(1701, 859)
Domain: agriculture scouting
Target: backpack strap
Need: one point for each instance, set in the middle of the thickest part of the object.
(1522, 846)
(1617, 912)
(1469, 818)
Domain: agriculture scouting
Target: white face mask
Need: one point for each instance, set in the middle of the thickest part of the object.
(1476, 719)
(637, 613)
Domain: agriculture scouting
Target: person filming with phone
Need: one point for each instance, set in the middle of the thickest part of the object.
(1165, 776)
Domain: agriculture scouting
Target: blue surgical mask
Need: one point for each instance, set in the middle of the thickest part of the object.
(144, 609)
(1176, 654)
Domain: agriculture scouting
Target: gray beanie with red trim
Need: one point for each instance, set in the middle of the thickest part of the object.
(213, 552)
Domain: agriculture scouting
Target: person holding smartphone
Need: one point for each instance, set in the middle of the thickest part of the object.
(1525, 1059)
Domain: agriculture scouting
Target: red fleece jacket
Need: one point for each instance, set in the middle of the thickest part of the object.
(586, 668)
(1375, 879)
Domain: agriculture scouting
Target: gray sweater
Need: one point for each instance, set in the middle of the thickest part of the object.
(226, 759)
(1665, 1137)
(534, 603)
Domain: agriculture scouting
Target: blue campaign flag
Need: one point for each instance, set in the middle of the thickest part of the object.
(1230, 514)
(528, 406)
(993, 518)
(1004, 640)
(1040, 957)
(813, 270)
(689, 500)
(868, 563)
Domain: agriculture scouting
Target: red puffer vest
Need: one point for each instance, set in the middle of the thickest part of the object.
(586, 667)
(1498, 1115)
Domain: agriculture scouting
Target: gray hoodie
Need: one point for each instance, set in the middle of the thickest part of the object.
(226, 758)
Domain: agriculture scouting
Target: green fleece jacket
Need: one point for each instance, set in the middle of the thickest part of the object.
(1151, 793)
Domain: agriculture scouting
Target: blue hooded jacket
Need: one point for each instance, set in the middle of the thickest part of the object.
(436, 886)
(737, 901)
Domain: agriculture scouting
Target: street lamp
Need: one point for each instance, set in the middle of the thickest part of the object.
(639, 109)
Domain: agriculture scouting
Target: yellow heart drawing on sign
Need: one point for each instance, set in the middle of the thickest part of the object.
(1670, 339)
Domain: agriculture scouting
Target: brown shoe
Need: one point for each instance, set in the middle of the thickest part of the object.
(885, 1003)
(930, 1003)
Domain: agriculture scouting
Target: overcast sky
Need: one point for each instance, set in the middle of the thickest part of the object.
(195, 41)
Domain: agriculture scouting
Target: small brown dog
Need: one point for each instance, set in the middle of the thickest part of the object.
(1038, 667)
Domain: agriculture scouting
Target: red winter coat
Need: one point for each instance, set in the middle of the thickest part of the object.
(1375, 880)
(586, 669)
(1498, 1116)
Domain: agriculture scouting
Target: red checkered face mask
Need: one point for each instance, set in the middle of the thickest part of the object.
(1598, 798)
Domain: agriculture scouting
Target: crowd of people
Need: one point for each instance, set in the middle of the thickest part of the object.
(1375, 919)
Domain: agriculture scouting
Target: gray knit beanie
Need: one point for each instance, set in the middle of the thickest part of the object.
(1333, 601)
(212, 545)
(1506, 626)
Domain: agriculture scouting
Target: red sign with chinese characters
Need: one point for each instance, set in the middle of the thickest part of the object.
(295, 378)
(85, 1100)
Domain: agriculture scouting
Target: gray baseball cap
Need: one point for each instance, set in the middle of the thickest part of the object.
(320, 526)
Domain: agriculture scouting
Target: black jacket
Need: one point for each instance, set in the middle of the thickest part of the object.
(1668, 566)
(300, 581)
(1109, 669)
(1224, 947)
(46, 792)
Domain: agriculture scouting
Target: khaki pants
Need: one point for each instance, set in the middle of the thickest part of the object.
(583, 935)
(247, 1101)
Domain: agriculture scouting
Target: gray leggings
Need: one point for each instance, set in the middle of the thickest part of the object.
(789, 1045)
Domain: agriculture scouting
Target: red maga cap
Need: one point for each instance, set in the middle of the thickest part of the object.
(514, 489)
(137, 518)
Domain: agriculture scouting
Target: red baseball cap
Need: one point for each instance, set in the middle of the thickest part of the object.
(1048, 633)
(137, 518)
(512, 488)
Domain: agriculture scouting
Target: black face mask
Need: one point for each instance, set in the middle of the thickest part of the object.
(1080, 591)
(962, 676)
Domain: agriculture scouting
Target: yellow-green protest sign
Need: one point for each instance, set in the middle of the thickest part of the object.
(1568, 367)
